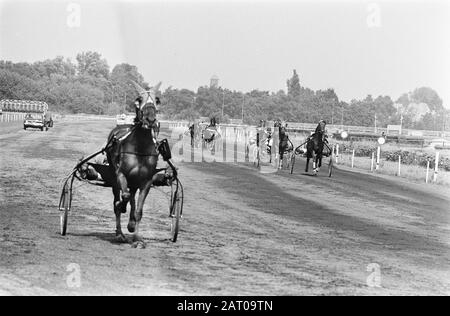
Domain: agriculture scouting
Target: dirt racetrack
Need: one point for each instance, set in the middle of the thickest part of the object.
(243, 233)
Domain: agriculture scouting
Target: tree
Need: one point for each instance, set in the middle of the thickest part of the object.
(121, 88)
(428, 96)
(404, 100)
(385, 110)
(58, 65)
(92, 64)
(293, 85)
(16, 86)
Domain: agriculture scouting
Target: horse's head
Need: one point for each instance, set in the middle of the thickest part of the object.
(147, 96)
(321, 126)
(147, 115)
(146, 105)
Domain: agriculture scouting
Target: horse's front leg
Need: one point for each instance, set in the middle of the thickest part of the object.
(280, 159)
(315, 158)
(143, 192)
(125, 197)
(318, 163)
(123, 184)
(120, 237)
(132, 221)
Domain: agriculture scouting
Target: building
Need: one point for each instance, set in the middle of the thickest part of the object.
(23, 106)
(214, 83)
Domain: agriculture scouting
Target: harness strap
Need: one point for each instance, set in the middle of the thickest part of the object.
(125, 136)
(138, 154)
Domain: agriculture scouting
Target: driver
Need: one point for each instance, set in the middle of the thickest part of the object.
(268, 133)
(192, 133)
(321, 129)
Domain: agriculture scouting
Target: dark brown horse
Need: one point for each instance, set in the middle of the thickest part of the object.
(314, 147)
(133, 158)
(285, 144)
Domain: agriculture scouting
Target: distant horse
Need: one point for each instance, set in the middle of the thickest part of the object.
(210, 135)
(132, 159)
(315, 146)
(285, 145)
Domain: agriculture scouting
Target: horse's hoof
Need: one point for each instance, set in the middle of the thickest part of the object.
(120, 238)
(139, 245)
(138, 242)
(131, 227)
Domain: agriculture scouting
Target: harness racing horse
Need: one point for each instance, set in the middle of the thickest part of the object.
(133, 158)
(209, 135)
(314, 147)
(285, 145)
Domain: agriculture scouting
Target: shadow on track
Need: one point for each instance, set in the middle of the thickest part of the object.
(267, 197)
(111, 238)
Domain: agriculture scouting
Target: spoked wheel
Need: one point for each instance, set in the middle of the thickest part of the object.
(292, 162)
(330, 166)
(285, 161)
(64, 205)
(176, 208)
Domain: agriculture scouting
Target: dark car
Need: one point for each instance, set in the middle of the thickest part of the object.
(35, 120)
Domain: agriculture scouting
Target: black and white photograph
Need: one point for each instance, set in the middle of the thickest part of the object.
(224, 153)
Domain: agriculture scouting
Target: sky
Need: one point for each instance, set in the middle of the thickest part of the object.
(356, 47)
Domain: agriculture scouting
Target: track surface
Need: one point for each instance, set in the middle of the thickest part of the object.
(244, 233)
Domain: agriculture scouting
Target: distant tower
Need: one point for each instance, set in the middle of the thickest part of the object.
(214, 83)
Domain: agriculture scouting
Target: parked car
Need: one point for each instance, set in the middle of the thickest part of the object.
(35, 120)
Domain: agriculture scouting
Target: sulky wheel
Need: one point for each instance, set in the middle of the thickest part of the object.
(292, 162)
(330, 166)
(65, 204)
(176, 208)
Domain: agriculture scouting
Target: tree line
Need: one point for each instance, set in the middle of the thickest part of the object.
(88, 85)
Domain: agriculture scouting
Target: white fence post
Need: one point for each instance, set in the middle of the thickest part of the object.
(353, 158)
(371, 163)
(378, 157)
(337, 153)
(399, 164)
(436, 166)
(428, 171)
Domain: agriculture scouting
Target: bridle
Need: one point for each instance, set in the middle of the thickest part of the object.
(140, 123)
